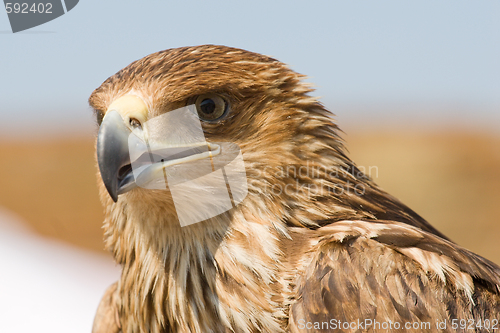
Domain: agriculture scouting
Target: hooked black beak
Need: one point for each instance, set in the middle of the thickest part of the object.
(113, 155)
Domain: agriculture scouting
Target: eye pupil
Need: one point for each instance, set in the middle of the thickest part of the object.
(210, 107)
(207, 106)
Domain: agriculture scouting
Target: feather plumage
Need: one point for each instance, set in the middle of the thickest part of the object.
(328, 244)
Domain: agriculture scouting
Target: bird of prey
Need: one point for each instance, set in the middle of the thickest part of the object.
(313, 246)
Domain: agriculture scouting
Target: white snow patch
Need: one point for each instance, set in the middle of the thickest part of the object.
(46, 285)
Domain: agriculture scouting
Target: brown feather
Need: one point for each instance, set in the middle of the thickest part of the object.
(107, 320)
(312, 252)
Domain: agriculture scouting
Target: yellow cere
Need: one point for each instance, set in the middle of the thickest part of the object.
(130, 106)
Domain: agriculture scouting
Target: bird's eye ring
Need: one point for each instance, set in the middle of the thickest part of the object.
(210, 107)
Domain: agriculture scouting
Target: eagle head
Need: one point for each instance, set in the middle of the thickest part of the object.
(242, 100)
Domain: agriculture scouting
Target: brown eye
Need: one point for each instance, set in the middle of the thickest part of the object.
(210, 107)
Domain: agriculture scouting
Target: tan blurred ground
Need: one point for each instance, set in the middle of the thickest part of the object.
(452, 179)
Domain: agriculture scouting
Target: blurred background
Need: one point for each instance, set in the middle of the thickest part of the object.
(415, 86)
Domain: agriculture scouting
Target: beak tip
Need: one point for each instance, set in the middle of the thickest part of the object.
(111, 188)
(114, 197)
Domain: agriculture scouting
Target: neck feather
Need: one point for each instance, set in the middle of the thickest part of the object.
(207, 277)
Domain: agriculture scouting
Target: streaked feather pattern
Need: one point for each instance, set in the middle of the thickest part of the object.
(308, 253)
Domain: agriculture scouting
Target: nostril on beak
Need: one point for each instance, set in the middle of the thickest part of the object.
(135, 123)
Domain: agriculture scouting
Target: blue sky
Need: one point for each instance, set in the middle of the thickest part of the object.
(384, 60)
